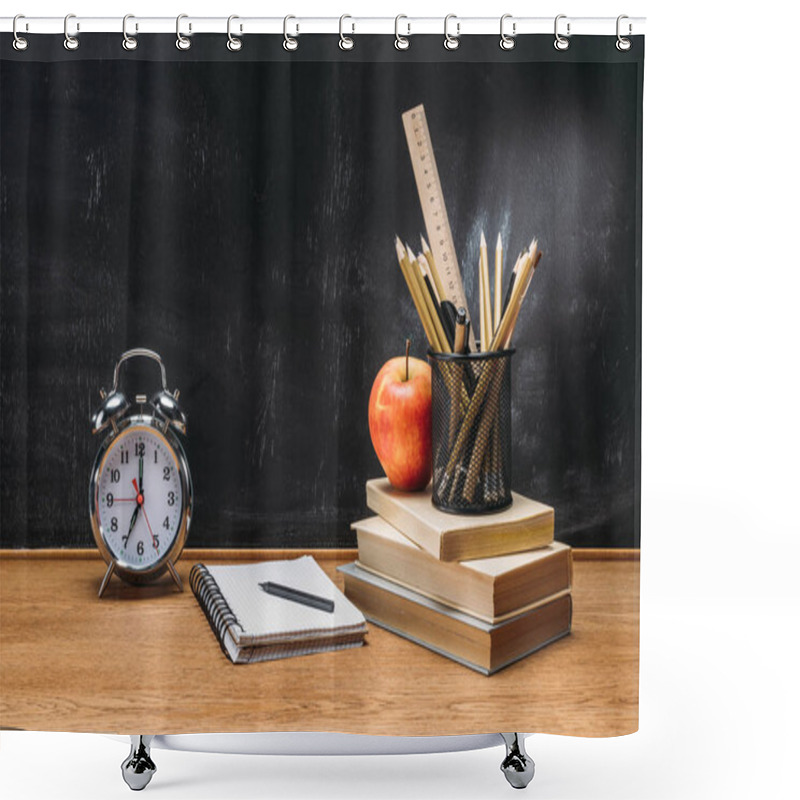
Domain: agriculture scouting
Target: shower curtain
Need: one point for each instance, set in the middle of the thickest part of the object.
(237, 212)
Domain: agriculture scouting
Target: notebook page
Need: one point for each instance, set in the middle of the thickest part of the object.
(264, 617)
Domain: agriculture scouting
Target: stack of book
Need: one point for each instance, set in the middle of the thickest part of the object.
(485, 591)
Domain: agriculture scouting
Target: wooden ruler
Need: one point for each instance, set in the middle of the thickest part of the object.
(434, 212)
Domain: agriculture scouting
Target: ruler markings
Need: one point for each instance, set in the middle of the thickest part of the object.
(434, 211)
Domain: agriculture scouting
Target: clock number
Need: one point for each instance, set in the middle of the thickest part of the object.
(171, 499)
(109, 499)
(140, 548)
(167, 473)
(114, 476)
(114, 524)
(155, 456)
(139, 449)
(124, 456)
(125, 539)
(166, 523)
(156, 542)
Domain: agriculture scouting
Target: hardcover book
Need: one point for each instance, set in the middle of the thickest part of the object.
(466, 639)
(525, 525)
(488, 588)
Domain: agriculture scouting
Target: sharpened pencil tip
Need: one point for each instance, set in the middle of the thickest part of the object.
(425, 247)
(483, 240)
(499, 245)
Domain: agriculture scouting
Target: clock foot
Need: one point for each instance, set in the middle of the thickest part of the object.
(518, 766)
(106, 579)
(138, 768)
(175, 576)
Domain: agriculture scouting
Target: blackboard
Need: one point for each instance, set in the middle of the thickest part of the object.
(238, 217)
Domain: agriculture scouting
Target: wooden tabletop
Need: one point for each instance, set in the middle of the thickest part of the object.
(144, 660)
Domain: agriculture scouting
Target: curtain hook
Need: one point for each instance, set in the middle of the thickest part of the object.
(623, 44)
(401, 42)
(346, 42)
(289, 42)
(234, 43)
(128, 42)
(561, 42)
(507, 42)
(19, 43)
(70, 42)
(182, 42)
(451, 42)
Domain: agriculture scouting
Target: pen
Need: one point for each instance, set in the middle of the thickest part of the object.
(461, 330)
(297, 596)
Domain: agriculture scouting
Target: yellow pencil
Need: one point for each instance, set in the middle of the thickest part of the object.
(485, 296)
(498, 283)
(405, 268)
(437, 281)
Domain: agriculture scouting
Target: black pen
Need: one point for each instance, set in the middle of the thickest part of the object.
(298, 596)
(461, 331)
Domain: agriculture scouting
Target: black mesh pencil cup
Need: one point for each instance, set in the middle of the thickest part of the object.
(471, 418)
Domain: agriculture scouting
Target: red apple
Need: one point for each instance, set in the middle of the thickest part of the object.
(400, 421)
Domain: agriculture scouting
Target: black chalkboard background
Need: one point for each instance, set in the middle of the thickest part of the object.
(237, 215)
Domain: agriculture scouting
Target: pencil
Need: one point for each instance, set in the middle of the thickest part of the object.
(432, 305)
(405, 268)
(498, 283)
(485, 296)
(437, 280)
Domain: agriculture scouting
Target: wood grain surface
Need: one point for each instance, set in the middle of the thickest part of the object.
(145, 660)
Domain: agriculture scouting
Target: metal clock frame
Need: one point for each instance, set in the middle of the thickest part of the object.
(166, 419)
(167, 560)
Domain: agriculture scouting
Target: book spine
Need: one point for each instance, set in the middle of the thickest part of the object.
(217, 611)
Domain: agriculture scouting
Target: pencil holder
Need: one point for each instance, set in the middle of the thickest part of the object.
(471, 436)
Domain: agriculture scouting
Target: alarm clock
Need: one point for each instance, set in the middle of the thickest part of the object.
(140, 490)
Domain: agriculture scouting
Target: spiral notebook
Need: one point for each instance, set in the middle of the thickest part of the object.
(252, 625)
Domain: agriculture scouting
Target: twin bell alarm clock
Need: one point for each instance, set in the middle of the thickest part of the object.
(140, 491)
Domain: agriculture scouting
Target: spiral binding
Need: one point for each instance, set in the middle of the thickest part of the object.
(217, 611)
(451, 28)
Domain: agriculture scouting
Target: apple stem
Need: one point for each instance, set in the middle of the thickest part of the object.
(408, 347)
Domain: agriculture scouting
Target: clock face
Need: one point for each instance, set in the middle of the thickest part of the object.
(139, 497)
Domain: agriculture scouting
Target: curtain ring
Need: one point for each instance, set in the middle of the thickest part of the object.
(70, 42)
(345, 42)
(234, 43)
(561, 42)
(401, 42)
(289, 42)
(19, 43)
(451, 42)
(622, 43)
(507, 42)
(128, 42)
(182, 42)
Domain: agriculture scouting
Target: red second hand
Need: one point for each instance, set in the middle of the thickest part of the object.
(149, 528)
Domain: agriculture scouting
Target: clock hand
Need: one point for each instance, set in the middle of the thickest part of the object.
(149, 528)
(133, 522)
(141, 474)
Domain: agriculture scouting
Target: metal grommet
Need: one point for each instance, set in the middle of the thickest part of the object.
(561, 42)
(451, 42)
(346, 42)
(182, 42)
(234, 43)
(70, 42)
(289, 43)
(507, 42)
(401, 42)
(622, 43)
(19, 42)
(128, 42)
